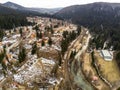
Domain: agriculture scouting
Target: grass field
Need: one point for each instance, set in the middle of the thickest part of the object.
(88, 67)
(109, 69)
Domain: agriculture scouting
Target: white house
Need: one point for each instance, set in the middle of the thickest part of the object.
(106, 55)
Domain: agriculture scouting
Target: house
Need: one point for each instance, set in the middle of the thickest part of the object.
(33, 35)
(106, 55)
(5, 62)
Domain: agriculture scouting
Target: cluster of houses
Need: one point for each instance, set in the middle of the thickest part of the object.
(12, 41)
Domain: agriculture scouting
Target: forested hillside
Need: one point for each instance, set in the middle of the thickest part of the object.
(9, 21)
(11, 17)
(103, 20)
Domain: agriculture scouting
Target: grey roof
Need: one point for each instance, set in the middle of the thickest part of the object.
(106, 53)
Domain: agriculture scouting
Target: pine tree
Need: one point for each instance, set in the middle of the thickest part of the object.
(78, 30)
(40, 35)
(64, 46)
(51, 29)
(65, 33)
(1, 34)
(50, 41)
(36, 28)
(1, 56)
(34, 48)
(22, 55)
(43, 43)
(21, 32)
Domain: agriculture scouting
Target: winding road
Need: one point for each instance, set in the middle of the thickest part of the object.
(79, 79)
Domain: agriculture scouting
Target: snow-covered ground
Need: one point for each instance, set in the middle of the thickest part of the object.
(29, 72)
(53, 81)
(1, 77)
(46, 61)
(27, 75)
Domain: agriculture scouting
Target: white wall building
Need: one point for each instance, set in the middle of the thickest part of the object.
(106, 55)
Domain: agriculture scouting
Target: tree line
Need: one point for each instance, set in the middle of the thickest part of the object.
(11, 21)
(68, 37)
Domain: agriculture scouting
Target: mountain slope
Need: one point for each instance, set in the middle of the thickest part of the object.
(39, 10)
(90, 13)
(102, 19)
(13, 17)
(20, 9)
(6, 10)
(46, 10)
(13, 6)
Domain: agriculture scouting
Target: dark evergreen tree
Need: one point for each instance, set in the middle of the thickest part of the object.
(1, 34)
(65, 33)
(22, 55)
(40, 35)
(50, 41)
(51, 29)
(34, 48)
(36, 28)
(43, 43)
(11, 20)
(118, 56)
(78, 30)
(2, 55)
(64, 46)
(21, 32)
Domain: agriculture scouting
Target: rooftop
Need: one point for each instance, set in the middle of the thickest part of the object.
(106, 53)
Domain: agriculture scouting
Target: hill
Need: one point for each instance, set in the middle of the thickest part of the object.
(18, 9)
(13, 6)
(5, 10)
(103, 20)
(46, 10)
(15, 15)
(89, 14)
(22, 8)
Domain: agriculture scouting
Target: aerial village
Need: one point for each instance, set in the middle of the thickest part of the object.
(32, 53)
(31, 58)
